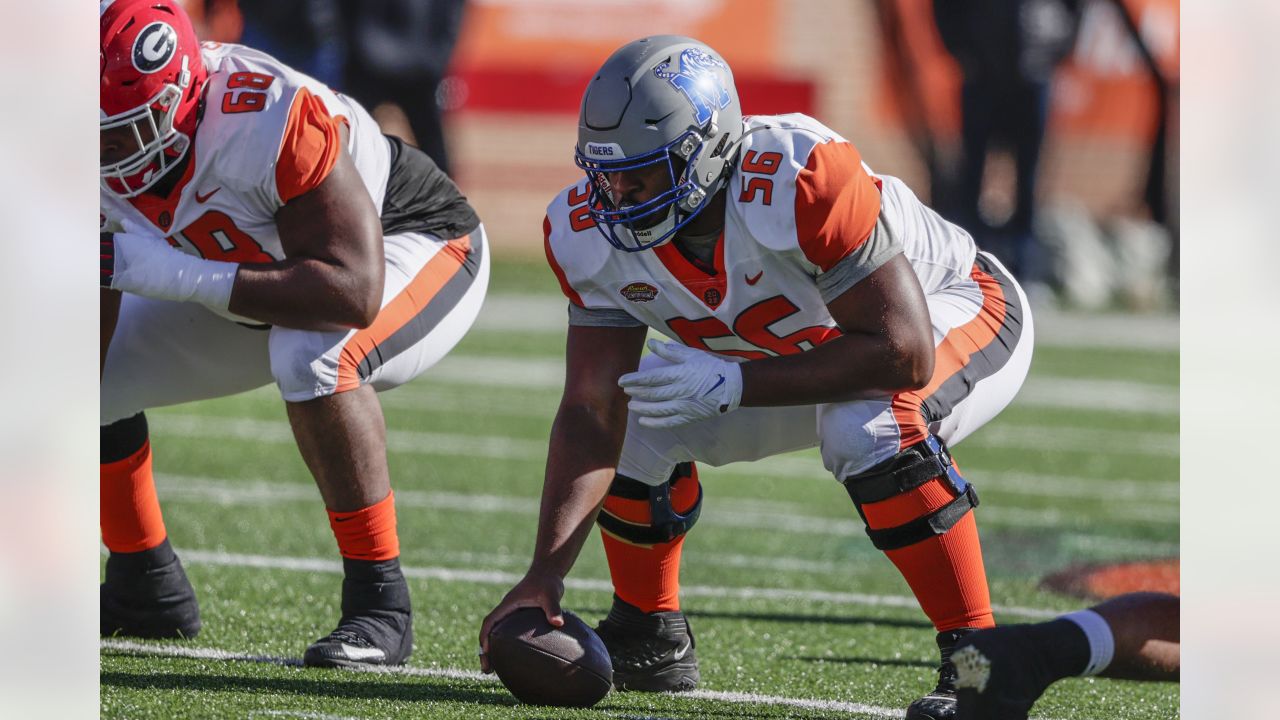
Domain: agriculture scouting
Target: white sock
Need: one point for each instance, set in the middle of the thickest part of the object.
(1102, 644)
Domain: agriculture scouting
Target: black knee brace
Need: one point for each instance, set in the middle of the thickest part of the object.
(665, 524)
(903, 473)
(122, 438)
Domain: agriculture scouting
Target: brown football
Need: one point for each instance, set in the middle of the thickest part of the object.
(543, 665)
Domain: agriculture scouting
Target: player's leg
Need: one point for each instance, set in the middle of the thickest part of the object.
(1003, 671)
(162, 353)
(914, 501)
(433, 294)
(654, 500)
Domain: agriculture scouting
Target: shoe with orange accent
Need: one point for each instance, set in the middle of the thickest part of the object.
(377, 623)
(651, 652)
(941, 703)
(146, 594)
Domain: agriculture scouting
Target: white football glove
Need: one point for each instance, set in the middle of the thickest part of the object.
(696, 386)
(146, 264)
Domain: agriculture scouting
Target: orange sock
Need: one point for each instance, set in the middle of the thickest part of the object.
(945, 572)
(648, 576)
(130, 512)
(368, 533)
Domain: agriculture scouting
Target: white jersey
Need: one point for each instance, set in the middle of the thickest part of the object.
(805, 218)
(267, 135)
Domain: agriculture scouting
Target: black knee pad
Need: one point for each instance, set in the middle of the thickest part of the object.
(122, 438)
(903, 473)
(665, 524)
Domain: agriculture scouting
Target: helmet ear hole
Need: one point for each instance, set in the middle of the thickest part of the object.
(724, 140)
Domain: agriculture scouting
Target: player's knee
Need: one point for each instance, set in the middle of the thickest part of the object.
(301, 364)
(644, 514)
(848, 439)
(911, 497)
(122, 439)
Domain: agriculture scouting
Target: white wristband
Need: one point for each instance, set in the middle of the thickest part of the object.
(149, 266)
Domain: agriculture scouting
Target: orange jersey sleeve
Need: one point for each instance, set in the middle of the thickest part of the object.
(309, 148)
(837, 204)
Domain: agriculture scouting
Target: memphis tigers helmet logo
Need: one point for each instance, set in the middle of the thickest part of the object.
(154, 47)
(698, 80)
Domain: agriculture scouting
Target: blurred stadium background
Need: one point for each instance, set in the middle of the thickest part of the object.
(874, 70)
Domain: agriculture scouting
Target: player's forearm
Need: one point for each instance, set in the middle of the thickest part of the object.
(846, 368)
(308, 294)
(581, 459)
(108, 312)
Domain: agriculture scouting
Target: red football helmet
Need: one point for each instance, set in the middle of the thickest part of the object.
(152, 79)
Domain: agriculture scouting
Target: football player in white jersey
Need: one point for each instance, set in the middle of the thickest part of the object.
(809, 302)
(258, 228)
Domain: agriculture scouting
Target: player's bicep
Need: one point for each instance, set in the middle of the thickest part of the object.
(888, 303)
(336, 220)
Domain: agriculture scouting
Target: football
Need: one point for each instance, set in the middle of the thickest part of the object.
(543, 665)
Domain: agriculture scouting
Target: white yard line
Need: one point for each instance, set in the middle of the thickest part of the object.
(541, 373)
(600, 585)
(752, 515)
(512, 312)
(737, 698)
(182, 651)
(309, 715)
(504, 447)
(749, 514)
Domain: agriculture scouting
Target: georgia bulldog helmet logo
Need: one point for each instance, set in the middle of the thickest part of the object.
(154, 47)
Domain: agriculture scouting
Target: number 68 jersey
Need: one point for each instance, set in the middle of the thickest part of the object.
(267, 134)
(805, 220)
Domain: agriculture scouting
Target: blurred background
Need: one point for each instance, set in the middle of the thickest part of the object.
(1047, 128)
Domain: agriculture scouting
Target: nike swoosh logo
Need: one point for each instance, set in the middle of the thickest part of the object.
(679, 654)
(204, 198)
(713, 388)
(753, 280)
(358, 653)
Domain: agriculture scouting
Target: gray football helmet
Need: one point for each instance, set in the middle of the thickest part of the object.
(663, 100)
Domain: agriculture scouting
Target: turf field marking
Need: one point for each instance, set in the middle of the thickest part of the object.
(301, 714)
(495, 577)
(548, 374)
(750, 514)
(420, 442)
(737, 698)
(527, 312)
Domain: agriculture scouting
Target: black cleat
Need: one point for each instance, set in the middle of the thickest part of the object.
(377, 623)
(146, 594)
(1000, 674)
(941, 703)
(651, 652)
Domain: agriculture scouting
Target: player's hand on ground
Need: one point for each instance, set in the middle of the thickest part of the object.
(696, 385)
(540, 590)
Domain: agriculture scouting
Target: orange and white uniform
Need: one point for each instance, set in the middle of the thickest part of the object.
(805, 220)
(269, 134)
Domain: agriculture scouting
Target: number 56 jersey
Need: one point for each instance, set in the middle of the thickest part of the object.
(805, 220)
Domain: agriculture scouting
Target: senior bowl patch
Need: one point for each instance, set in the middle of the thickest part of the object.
(639, 292)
